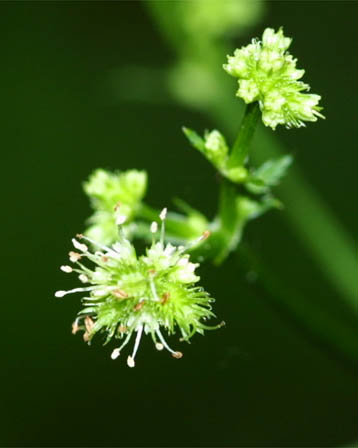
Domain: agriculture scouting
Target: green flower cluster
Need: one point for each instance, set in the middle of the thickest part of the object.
(127, 294)
(115, 198)
(267, 73)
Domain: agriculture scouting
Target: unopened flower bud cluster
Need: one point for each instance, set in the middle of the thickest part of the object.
(267, 73)
(115, 198)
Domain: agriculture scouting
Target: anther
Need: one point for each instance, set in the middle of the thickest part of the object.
(122, 329)
(163, 214)
(154, 227)
(130, 361)
(159, 346)
(86, 336)
(60, 293)
(165, 298)
(205, 235)
(139, 306)
(115, 353)
(177, 355)
(120, 294)
(74, 256)
(75, 326)
(121, 219)
(89, 324)
(66, 269)
(116, 207)
(83, 278)
(79, 246)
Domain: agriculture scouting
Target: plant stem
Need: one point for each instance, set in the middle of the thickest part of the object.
(245, 135)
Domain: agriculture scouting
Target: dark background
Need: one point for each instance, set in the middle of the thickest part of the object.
(260, 381)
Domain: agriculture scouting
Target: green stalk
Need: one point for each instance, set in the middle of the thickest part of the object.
(244, 137)
(320, 232)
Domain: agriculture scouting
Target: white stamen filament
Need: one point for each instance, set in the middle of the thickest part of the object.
(107, 249)
(164, 342)
(154, 291)
(63, 293)
(193, 243)
(162, 232)
(116, 352)
(100, 292)
(136, 344)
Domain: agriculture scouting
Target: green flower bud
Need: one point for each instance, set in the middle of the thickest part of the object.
(126, 294)
(215, 148)
(114, 196)
(267, 73)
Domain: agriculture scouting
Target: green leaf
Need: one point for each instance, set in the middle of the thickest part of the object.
(195, 139)
(269, 174)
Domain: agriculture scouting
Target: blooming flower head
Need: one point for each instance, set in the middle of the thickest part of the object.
(115, 197)
(267, 73)
(126, 294)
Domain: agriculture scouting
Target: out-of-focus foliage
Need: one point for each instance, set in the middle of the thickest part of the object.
(209, 19)
(113, 196)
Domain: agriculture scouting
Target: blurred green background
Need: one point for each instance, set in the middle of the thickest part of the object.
(84, 86)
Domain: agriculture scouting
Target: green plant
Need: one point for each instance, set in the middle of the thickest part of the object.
(128, 294)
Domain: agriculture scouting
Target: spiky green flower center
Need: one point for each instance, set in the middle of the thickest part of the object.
(267, 73)
(128, 294)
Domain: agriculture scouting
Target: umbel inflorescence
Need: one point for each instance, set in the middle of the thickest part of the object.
(126, 294)
(267, 73)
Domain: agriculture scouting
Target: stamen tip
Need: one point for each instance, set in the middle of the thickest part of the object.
(154, 227)
(121, 219)
(66, 269)
(163, 214)
(83, 278)
(74, 256)
(79, 246)
(75, 327)
(130, 361)
(60, 293)
(115, 353)
(159, 346)
(205, 235)
(177, 355)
